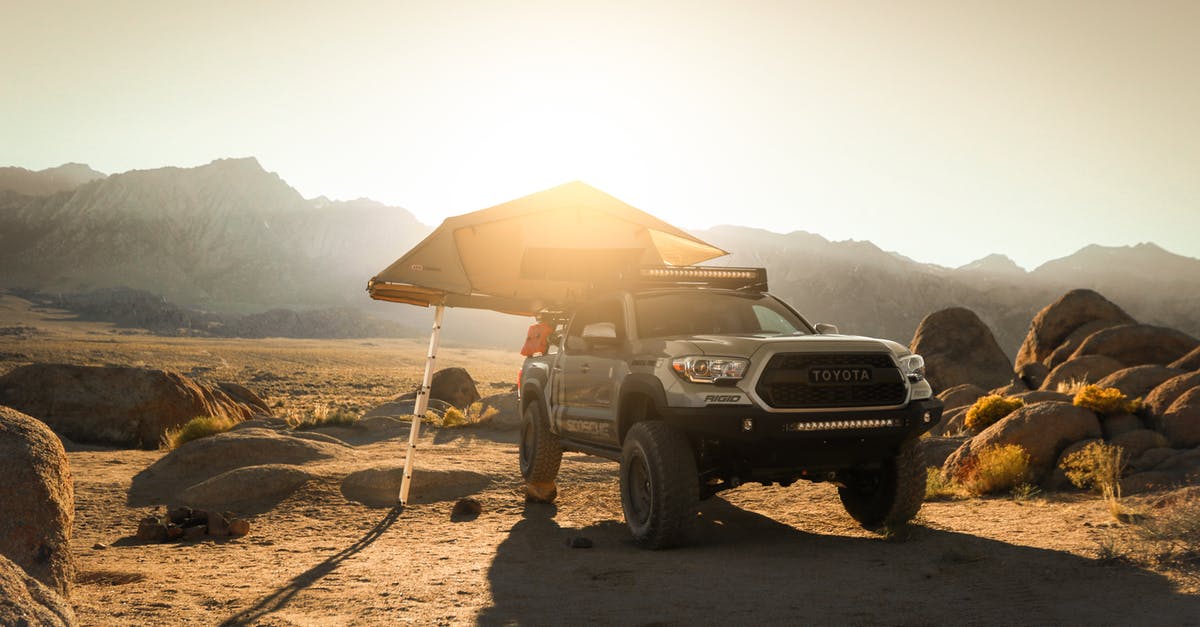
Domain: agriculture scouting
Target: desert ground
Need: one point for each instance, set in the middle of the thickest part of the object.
(762, 556)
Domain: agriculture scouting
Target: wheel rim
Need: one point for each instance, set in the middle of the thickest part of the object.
(640, 490)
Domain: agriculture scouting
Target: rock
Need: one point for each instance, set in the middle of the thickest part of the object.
(219, 525)
(380, 486)
(959, 348)
(935, 450)
(194, 533)
(37, 501)
(1071, 344)
(454, 386)
(239, 527)
(26, 601)
(1012, 389)
(1189, 362)
(208, 457)
(151, 529)
(1053, 324)
(1138, 381)
(1181, 422)
(1089, 369)
(263, 422)
(508, 414)
(243, 395)
(465, 509)
(174, 532)
(1160, 398)
(1152, 457)
(320, 437)
(178, 515)
(1037, 396)
(1042, 429)
(252, 488)
(1184, 462)
(1141, 482)
(115, 405)
(953, 422)
(961, 395)
(1137, 442)
(1033, 374)
(1138, 344)
(1118, 424)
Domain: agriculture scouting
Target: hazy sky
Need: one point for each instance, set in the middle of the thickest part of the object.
(942, 130)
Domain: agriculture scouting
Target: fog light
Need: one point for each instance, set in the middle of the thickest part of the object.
(747, 424)
(928, 416)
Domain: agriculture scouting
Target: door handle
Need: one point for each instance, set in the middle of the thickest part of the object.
(585, 368)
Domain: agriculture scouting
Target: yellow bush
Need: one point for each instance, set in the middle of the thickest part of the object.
(938, 486)
(194, 429)
(325, 416)
(475, 414)
(997, 468)
(1097, 466)
(989, 410)
(1105, 400)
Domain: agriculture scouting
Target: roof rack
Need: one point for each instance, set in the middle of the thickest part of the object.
(744, 279)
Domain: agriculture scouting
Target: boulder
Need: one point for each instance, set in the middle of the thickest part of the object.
(37, 501)
(249, 489)
(1042, 429)
(959, 348)
(1088, 369)
(1033, 374)
(1137, 441)
(26, 601)
(934, 450)
(1189, 362)
(1053, 324)
(1184, 462)
(1117, 424)
(454, 386)
(1138, 344)
(1012, 389)
(1161, 397)
(1037, 396)
(117, 405)
(380, 486)
(1153, 457)
(1071, 344)
(1138, 381)
(961, 395)
(952, 422)
(1181, 422)
(1149, 481)
(205, 458)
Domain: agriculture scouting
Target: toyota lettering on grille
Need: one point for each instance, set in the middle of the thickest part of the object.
(845, 374)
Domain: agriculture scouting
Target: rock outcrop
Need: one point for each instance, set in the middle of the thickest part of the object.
(454, 386)
(27, 601)
(120, 405)
(1042, 429)
(1138, 344)
(1159, 399)
(1089, 369)
(1181, 422)
(959, 348)
(1052, 326)
(1138, 381)
(38, 501)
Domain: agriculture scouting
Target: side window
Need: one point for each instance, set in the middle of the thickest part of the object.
(771, 321)
(606, 311)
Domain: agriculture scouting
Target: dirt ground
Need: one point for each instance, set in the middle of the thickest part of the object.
(763, 555)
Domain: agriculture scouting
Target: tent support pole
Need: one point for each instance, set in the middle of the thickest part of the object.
(422, 402)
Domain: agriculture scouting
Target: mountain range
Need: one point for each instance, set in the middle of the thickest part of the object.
(232, 237)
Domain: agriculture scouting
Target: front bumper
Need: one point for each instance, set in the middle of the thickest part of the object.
(751, 424)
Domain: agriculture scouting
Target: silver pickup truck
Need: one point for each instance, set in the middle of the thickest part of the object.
(696, 380)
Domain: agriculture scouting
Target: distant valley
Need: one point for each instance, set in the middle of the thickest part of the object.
(228, 241)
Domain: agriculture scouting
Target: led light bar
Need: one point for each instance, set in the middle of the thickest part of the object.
(841, 425)
(729, 278)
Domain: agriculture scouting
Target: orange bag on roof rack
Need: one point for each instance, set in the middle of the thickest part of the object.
(537, 339)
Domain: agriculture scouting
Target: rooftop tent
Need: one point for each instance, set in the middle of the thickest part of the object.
(541, 251)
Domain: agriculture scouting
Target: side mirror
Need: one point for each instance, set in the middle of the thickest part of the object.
(824, 328)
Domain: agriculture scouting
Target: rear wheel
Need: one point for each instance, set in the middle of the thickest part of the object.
(540, 454)
(890, 496)
(660, 485)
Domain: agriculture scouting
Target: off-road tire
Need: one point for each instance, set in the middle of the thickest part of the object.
(893, 496)
(660, 486)
(540, 450)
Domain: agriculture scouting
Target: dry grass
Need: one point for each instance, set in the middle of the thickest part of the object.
(989, 410)
(1168, 538)
(1105, 401)
(997, 468)
(939, 487)
(194, 429)
(1099, 466)
(324, 416)
(475, 414)
(1071, 387)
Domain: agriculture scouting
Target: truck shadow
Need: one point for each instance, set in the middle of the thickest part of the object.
(747, 568)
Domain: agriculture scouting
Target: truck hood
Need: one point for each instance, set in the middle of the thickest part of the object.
(747, 345)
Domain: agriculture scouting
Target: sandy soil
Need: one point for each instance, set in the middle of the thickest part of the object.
(764, 555)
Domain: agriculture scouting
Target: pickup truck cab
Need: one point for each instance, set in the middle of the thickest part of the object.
(699, 383)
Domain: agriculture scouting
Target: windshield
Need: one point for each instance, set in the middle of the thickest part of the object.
(708, 313)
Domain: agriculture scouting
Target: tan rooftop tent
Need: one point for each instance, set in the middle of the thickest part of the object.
(545, 250)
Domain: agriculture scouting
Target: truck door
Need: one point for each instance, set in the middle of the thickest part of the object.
(593, 361)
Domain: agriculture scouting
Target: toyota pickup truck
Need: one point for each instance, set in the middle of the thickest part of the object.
(697, 380)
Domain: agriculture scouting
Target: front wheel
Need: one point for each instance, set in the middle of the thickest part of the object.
(660, 486)
(540, 454)
(888, 497)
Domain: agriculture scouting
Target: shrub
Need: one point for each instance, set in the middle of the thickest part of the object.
(1097, 466)
(325, 416)
(194, 429)
(938, 486)
(1105, 401)
(989, 410)
(475, 414)
(997, 468)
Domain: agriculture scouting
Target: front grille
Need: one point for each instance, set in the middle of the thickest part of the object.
(784, 383)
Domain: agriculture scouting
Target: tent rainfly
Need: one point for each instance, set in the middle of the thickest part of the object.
(542, 251)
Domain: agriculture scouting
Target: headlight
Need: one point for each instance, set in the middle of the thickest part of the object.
(710, 369)
(913, 367)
